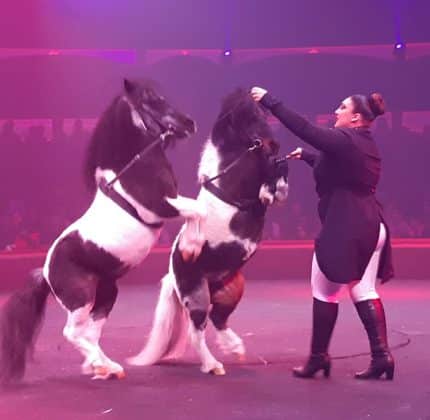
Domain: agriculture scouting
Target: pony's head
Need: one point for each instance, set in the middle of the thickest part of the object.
(241, 122)
(137, 118)
(245, 148)
(152, 114)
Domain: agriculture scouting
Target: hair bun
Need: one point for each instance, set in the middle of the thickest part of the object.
(376, 103)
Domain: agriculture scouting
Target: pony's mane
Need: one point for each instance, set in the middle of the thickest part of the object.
(240, 120)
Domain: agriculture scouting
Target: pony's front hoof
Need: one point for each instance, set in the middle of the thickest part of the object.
(218, 371)
(103, 372)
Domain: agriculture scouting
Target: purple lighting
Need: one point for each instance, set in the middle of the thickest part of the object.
(399, 50)
(227, 53)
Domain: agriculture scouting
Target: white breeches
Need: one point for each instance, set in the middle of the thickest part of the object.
(359, 290)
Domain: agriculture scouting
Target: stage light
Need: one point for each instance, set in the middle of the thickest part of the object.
(399, 50)
(226, 56)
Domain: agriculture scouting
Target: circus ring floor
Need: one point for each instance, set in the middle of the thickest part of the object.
(274, 319)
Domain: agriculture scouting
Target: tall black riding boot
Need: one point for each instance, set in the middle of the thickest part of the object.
(372, 316)
(324, 315)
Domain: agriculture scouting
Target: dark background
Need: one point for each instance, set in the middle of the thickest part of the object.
(42, 190)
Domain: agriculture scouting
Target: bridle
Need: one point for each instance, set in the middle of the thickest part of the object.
(137, 117)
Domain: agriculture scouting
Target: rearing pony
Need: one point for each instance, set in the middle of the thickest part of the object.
(134, 192)
(240, 177)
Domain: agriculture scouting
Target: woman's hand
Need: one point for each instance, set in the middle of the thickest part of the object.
(295, 154)
(257, 93)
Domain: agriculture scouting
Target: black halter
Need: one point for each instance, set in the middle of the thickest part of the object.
(243, 204)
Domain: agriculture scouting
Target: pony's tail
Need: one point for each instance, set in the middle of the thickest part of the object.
(169, 333)
(21, 318)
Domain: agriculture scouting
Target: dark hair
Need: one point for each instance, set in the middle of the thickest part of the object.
(370, 106)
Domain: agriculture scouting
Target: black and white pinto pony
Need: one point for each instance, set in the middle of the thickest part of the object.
(134, 192)
(240, 176)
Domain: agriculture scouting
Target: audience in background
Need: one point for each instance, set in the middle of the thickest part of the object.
(42, 188)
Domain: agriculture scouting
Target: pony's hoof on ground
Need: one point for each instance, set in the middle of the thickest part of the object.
(218, 371)
(117, 375)
(102, 372)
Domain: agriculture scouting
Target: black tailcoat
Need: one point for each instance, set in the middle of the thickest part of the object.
(346, 170)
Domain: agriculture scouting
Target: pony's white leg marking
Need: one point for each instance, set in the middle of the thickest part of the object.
(108, 367)
(265, 196)
(229, 342)
(74, 332)
(280, 194)
(191, 239)
(209, 363)
(84, 333)
(92, 333)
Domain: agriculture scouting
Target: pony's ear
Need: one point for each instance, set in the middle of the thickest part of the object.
(129, 86)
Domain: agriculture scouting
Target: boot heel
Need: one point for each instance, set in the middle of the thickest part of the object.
(389, 373)
(314, 364)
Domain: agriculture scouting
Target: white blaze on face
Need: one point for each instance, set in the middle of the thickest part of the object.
(135, 117)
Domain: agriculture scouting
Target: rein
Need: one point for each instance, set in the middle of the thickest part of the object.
(139, 156)
(109, 191)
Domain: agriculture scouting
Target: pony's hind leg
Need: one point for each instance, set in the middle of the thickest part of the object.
(84, 333)
(87, 303)
(80, 331)
(197, 303)
(209, 363)
(225, 297)
(102, 367)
